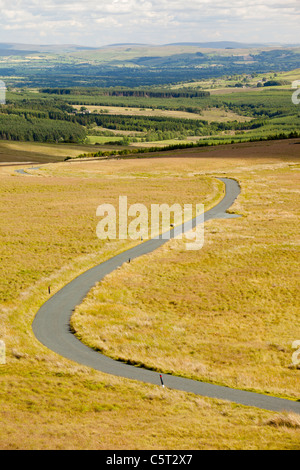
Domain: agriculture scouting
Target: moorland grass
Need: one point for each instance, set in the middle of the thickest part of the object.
(228, 313)
(48, 237)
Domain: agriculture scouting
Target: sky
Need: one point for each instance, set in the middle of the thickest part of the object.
(97, 23)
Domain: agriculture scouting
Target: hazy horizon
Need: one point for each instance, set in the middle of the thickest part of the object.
(137, 44)
(97, 24)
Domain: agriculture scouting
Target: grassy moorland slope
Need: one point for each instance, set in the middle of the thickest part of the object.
(228, 313)
(48, 223)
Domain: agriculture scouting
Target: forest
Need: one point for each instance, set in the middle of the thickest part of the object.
(49, 114)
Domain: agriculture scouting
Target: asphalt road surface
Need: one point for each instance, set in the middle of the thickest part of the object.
(51, 326)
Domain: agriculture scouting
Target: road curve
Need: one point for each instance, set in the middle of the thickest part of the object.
(51, 326)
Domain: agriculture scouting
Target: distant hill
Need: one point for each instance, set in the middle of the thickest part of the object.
(206, 45)
(218, 45)
(21, 49)
(127, 44)
(27, 49)
(76, 47)
(133, 64)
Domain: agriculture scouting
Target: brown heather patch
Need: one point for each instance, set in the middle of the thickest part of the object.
(288, 420)
(13, 152)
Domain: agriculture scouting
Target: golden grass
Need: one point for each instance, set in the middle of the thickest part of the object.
(65, 208)
(48, 237)
(48, 405)
(228, 313)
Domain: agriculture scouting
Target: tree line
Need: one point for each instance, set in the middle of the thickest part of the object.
(20, 128)
(128, 93)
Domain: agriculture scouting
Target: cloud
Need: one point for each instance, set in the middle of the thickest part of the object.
(156, 21)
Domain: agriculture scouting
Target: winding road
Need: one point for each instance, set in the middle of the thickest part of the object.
(51, 325)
